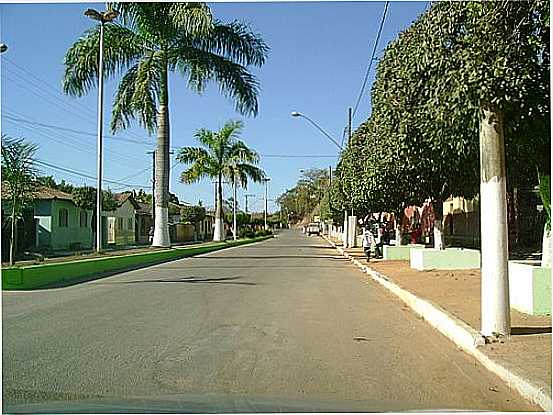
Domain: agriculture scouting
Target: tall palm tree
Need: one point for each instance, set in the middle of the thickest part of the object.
(153, 40)
(223, 155)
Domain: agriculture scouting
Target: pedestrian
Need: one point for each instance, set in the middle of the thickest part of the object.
(367, 242)
(379, 242)
(151, 234)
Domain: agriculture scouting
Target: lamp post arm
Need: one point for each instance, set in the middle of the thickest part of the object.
(321, 130)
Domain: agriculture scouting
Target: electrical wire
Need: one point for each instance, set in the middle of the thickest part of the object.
(85, 175)
(40, 85)
(371, 60)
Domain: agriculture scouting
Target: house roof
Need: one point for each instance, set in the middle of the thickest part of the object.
(41, 193)
(124, 196)
(144, 208)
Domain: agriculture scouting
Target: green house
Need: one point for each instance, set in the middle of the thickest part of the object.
(61, 225)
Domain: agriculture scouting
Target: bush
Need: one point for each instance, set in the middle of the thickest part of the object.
(246, 233)
(264, 232)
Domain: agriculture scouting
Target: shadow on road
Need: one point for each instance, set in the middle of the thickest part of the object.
(339, 258)
(187, 280)
(290, 246)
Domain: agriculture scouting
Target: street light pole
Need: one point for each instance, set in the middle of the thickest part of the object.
(102, 17)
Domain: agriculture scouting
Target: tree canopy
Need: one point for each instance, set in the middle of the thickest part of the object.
(421, 139)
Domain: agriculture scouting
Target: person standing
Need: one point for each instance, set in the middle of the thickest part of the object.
(367, 242)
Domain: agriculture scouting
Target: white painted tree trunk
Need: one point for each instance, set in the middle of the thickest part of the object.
(438, 234)
(495, 308)
(345, 233)
(161, 227)
(219, 230)
(399, 236)
(547, 249)
(352, 231)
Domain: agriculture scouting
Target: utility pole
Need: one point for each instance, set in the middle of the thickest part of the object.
(246, 200)
(349, 125)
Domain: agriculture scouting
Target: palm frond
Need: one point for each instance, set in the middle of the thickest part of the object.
(188, 155)
(235, 42)
(122, 48)
(206, 138)
(233, 79)
(160, 22)
(137, 96)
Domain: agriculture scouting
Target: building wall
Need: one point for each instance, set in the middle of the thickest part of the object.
(71, 236)
(121, 225)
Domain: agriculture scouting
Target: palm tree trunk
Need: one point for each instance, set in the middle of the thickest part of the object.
(219, 230)
(161, 227)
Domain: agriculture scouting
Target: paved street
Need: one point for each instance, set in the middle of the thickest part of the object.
(286, 320)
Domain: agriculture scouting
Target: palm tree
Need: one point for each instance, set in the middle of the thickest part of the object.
(18, 181)
(153, 40)
(223, 155)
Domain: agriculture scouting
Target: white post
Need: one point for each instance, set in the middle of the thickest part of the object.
(100, 132)
(496, 317)
(235, 230)
(266, 196)
(345, 230)
(352, 231)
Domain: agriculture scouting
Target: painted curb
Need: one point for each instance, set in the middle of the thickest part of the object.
(464, 336)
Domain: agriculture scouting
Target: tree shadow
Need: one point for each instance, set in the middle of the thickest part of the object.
(186, 280)
(522, 331)
(274, 257)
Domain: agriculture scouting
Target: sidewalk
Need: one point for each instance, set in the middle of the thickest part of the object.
(527, 352)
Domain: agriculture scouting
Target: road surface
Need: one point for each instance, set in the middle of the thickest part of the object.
(286, 323)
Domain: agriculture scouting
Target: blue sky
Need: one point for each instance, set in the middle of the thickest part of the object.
(318, 58)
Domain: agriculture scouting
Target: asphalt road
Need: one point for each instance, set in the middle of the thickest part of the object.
(285, 322)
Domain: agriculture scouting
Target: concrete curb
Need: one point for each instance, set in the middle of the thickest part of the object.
(464, 336)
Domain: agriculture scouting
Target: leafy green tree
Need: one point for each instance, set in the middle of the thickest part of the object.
(222, 155)
(19, 179)
(153, 40)
(192, 214)
(85, 198)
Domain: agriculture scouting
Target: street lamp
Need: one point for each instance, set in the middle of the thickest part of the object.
(317, 126)
(266, 180)
(102, 17)
(3, 47)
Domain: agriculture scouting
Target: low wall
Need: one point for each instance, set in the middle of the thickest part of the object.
(400, 252)
(450, 258)
(530, 287)
(37, 276)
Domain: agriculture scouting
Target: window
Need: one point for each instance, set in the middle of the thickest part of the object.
(130, 224)
(84, 219)
(63, 218)
(119, 224)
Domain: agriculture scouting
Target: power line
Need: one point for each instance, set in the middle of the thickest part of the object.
(371, 60)
(295, 156)
(70, 130)
(41, 83)
(78, 173)
(62, 140)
